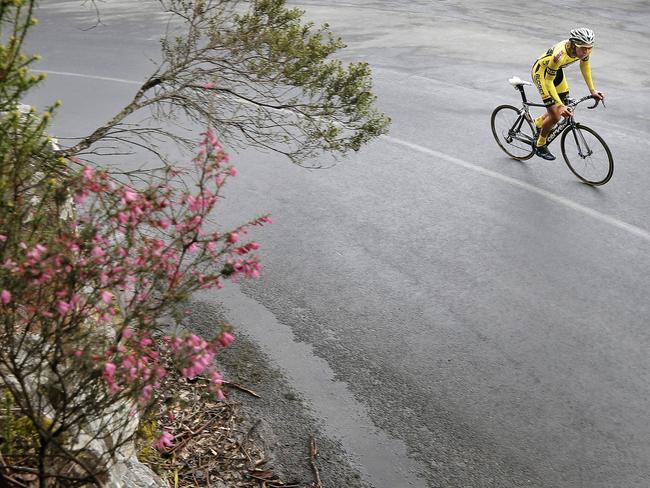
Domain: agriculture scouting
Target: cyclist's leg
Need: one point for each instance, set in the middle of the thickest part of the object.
(562, 86)
(546, 122)
(540, 120)
(551, 117)
(552, 110)
(538, 79)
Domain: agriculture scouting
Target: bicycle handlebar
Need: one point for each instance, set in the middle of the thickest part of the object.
(588, 97)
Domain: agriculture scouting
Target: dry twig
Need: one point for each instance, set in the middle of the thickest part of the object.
(211, 444)
(239, 387)
(313, 448)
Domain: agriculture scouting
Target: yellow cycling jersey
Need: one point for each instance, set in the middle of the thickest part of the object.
(548, 76)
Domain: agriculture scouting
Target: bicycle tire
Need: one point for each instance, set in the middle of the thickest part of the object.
(518, 148)
(584, 166)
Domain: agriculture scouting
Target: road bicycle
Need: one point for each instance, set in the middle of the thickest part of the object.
(584, 151)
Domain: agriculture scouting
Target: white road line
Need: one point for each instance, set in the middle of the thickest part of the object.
(92, 77)
(608, 219)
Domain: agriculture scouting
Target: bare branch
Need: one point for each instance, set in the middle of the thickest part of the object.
(259, 76)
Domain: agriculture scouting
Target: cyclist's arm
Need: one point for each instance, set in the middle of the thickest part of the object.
(585, 68)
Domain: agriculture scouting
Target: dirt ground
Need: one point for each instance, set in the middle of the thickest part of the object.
(263, 435)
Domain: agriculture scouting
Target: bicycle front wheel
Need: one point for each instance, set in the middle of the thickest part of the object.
(587, 155)
(513, 132)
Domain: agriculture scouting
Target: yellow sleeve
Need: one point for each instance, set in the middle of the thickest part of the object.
(585, 68)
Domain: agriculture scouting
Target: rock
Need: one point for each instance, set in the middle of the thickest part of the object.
(93, 440)
(130, 473)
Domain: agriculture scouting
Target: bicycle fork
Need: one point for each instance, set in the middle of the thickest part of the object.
(581, 142)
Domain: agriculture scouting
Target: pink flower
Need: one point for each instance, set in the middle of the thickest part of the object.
(109, 369)
(194, 341)
(36, 252)
(106, 297)
(5, 297)
(193, 203)
(249, 268)
(88, 173)
(233, 237)
(226, 339)
(80, 196)
(109, 375)
(3, 238)
(146, 393)
(103, 279)
(233, 171)
(215, 378)
(97, 252)
(164, 441)
(129, 196)
(63, 307)
(209, 138)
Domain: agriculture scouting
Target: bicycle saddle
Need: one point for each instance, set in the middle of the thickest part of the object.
(516, 81)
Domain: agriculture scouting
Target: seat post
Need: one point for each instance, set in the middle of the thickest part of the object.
(523, 93)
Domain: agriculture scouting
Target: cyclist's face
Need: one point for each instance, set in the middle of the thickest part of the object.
(583, 51)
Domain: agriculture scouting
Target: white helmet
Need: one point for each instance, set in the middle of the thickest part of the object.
(582, 36)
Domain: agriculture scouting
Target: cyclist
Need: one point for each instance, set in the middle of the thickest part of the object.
(552, 85)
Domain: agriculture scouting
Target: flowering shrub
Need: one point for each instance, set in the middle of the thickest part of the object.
(82, 299)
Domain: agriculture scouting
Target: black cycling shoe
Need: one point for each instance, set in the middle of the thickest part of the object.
(544, 153)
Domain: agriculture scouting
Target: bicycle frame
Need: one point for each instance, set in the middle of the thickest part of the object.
(584, 151)
(565, 124)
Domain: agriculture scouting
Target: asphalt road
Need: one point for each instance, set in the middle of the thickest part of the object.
(454, 317)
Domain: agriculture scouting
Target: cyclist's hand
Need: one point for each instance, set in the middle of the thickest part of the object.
(598, 95)
(564, 111)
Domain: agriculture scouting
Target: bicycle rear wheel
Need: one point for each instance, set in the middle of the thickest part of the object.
(513, 132)
(587, 155)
